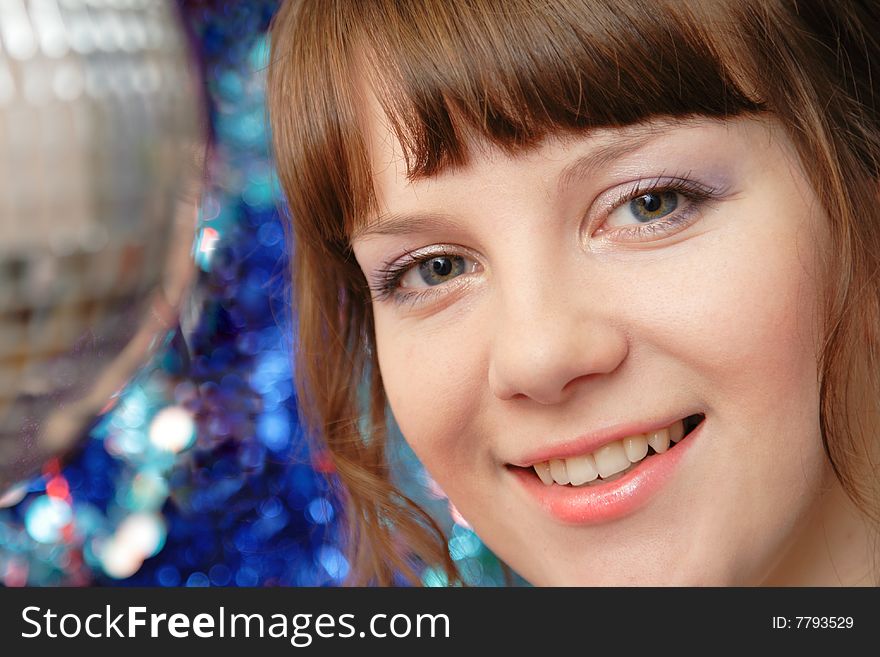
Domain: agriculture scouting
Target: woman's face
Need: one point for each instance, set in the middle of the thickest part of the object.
(580, 300)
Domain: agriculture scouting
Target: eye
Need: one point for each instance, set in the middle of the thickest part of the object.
(434, 270)
(421, 274)
(651, 209)
(645, 208)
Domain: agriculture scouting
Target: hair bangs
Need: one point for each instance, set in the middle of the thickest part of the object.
(509, 73)
(446, 77)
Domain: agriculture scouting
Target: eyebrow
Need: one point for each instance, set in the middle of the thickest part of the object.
(603, 155)
(405, 223)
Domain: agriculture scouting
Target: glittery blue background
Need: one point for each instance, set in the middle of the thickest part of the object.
(243, 502)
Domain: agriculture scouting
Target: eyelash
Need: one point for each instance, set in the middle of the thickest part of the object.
(695, 193)
(385, 283)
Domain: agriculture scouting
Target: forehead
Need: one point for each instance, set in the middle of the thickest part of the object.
(712, 148)
(433, 94)
(561, 155)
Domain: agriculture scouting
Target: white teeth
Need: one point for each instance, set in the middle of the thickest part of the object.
(559, 471)
(636, 448)
(676, 431)
(659, 440)
(543, 471)
(611, 459)
(581, 469)
(617, 476)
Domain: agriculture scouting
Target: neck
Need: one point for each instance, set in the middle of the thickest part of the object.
(835, 548)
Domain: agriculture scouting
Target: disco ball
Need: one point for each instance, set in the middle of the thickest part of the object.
(99, 141)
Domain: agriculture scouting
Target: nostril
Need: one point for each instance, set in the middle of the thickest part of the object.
(547, 357)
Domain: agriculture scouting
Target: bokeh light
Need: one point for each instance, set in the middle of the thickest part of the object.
(199, 474)
(46, 518)
(173, 429)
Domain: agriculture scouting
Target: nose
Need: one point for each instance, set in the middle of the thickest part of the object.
(548, 336)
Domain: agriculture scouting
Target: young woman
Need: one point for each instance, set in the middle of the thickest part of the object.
(613, 268)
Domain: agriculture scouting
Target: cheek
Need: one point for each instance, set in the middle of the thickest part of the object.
(757, 320)
(431, 379)
(743, 336)
(742, 311)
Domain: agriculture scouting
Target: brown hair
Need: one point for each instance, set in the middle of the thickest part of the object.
(511, 72)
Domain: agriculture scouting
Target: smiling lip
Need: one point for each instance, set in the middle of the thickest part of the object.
(587, 505)
(589, 443)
